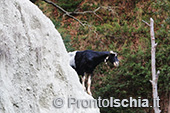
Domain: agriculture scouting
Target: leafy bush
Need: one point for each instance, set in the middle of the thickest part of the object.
(131, 79)
(121, 29)
(69, 5)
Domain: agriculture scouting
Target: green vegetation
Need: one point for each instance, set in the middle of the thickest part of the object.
(69, 5)
(121, 29)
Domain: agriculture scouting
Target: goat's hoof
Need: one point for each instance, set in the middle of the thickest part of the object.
(90, 93)
(84, 88)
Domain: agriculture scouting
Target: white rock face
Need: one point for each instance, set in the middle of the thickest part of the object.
(34, 67)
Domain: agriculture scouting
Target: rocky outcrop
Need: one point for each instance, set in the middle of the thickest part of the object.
(34, 68)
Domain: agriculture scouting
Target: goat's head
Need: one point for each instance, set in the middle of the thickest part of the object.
(112, 58)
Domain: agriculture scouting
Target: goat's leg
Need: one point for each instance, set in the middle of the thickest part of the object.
(83, 82)
(89, 85)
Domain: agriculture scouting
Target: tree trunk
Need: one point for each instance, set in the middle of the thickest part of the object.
(154, 75)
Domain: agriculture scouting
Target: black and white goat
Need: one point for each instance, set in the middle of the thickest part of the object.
(84, 62)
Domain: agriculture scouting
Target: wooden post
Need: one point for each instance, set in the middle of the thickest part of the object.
(155, 75)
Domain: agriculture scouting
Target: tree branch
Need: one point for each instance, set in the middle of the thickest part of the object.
(157, 76)
(60, 8)
(70, 14)
(146, 22)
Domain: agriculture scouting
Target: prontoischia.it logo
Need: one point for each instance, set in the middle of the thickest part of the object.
(111, 102)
